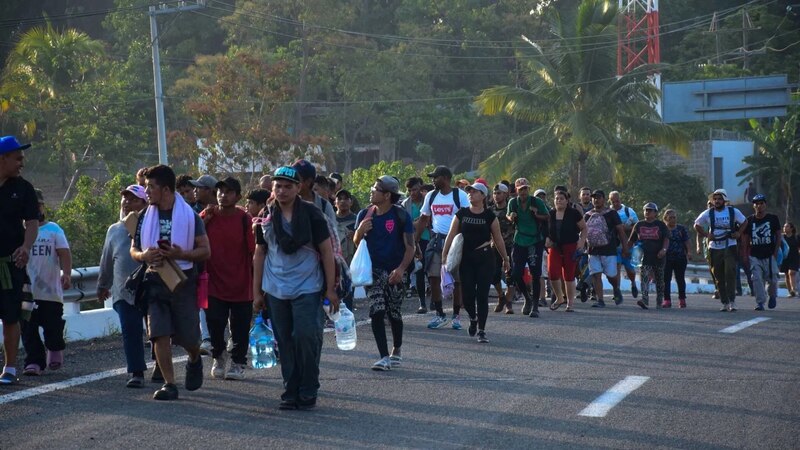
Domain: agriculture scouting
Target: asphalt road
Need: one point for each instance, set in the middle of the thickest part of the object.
(525, 389)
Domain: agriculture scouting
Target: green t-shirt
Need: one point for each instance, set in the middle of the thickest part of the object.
(527, 226)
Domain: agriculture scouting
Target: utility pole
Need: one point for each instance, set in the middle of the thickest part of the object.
(163, 8)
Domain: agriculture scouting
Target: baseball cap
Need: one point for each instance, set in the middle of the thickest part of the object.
(441, 171)
(760, 198)
(230, 183)
(501, 187)
(598, 193)
(335, 176)
(205, 181)
(651, 205)
(390, 184)
(10, 144)
(521, 182)
(305, 169)
(39, 195)
(539, 191)
(136, 190)
(721, 192)
(483, 182)
(258, 195)
(286, 173)
(478, 187)
(344, 193)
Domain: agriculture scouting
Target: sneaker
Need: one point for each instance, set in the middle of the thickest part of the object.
(772, 302)
(456, 322)
(542, 303)
(642, 304)
(8, 379)
(716, 295)
(157, 377)
(473, 327)
(229, 347)
(383, 364)
(135, 382)
(32, 370)
(437, 322)
(396, 360)
(534, 313)
(288, 405)
(306, 403)
(167, 392)
(732, 306)
(194, 375)
(759, 307)
(55, 359)
(235, 372)
(599, 304)
(422, 310)
(792, 294)
(666, 304)
(724, 308)
(206, 347)
(482, 337)
(584, 296)
(634, 290)
(218, 366)
(526, 308)
(682, 303)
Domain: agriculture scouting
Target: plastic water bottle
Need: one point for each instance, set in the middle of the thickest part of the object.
(326, 306)
(345, 329)
(262, 345)
(637, 253)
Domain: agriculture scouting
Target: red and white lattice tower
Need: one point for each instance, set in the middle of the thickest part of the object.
(638, 39)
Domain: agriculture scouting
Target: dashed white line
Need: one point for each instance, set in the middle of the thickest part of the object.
(603, 404)
(741, 326)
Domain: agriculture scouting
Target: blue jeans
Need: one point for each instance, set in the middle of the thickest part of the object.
(298, 325)
(131, 321)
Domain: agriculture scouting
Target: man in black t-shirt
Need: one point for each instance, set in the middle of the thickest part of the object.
(604, 226)
(764, 236)
(18, 207)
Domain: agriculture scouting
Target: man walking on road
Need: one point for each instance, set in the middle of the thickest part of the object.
(19, 226)
(723, 223)
(764, 237)
(170, 229)
(526, 212)
(294, 265)
(604, 226)
(628, 218)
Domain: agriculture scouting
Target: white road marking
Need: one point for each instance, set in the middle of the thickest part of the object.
(72, 382)
(603, 404)
(741, 326)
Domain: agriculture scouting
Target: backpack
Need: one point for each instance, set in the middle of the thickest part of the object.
(456, 197)
(598, 232)
(731, 218)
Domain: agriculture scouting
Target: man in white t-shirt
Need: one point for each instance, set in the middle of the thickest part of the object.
(438, 209)
(723, 223)
(50, 270)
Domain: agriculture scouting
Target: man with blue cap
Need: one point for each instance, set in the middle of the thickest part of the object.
(19, 226)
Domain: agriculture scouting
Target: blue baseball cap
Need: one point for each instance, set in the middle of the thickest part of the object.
(760, 198)
(10, 144)
(305, 169)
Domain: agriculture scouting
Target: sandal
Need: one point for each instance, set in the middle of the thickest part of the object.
(569, 309)
(557, 304)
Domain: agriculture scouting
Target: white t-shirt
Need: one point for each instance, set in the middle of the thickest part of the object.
(722, 225)
(443, 209)
(44, 268)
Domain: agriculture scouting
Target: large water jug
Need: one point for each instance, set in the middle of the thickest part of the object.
(262, 345)
(345, 329)
(637, 253)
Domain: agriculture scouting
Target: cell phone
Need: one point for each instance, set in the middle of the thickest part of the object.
(163, 243)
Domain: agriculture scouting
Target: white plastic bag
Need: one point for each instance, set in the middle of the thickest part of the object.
(454, 255)
(361, 266)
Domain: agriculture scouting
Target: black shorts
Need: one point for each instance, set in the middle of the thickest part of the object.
(174, 314)
(11, 300)
(498, 269)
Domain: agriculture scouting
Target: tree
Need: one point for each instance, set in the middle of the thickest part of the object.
(776, 161)
(578, 108)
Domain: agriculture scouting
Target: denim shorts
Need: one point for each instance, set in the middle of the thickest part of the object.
(603, 264)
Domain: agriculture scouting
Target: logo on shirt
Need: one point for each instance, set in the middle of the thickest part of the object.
(762, 234)
(650, 233)
(390, 225)
(442, 210)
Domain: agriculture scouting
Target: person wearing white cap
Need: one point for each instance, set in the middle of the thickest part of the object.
(479, 228)
(115, 266)
(723, 225)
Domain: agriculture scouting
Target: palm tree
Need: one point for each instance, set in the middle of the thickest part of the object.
(777, 158)
(576, 104)
(43, 66)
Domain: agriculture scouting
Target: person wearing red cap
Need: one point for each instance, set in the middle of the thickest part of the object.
(19, 226)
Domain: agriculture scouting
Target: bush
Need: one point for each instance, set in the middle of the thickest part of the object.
(86, 217)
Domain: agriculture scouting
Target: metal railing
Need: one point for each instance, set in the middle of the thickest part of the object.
(84, 285)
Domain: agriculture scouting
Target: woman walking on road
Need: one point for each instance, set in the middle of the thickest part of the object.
(791, 262)
(479, 227)
(677, 259)
(566, 233)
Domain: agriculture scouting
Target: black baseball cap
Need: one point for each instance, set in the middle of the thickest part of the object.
(598, 193)
(230, 183)
(441, 171)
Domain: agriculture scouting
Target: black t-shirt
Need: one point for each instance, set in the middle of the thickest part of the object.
(165, 227)
(651, 235)
(763, 233)
(565, 230)
(18, 203)
(476, 228)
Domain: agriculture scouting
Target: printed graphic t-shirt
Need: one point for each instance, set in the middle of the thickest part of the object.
(385, 240)
(443, 209)
(763, 233)
(722, 226)
(651, 235)
(44, 268)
